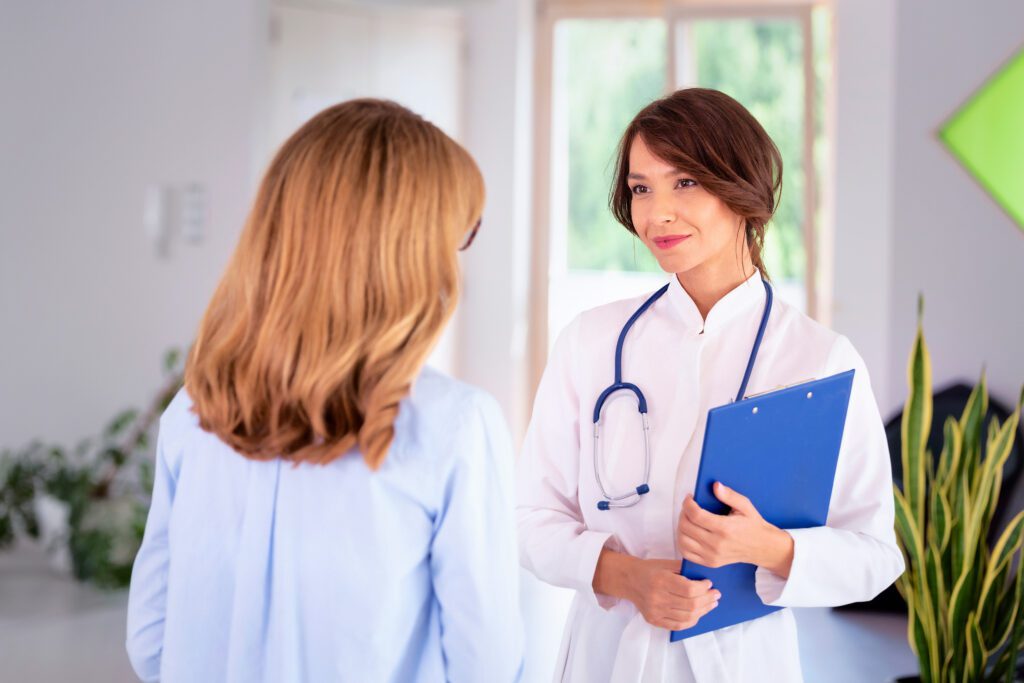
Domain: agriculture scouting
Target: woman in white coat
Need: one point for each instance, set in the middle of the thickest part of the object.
(697, 180)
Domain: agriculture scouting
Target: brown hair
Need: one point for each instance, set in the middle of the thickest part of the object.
(343, 278)
(713, 137)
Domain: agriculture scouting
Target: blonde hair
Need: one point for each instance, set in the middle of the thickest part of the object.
(342, 281)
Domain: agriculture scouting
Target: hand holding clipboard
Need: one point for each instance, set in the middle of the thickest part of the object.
(780, 450)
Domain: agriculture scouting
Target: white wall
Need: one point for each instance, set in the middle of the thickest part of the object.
(97, 102)
(864, 92)
(909, 219)
(322, 54)
(499, 94)
(951, 241)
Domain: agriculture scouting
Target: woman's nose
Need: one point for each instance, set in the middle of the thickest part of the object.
(664, 212)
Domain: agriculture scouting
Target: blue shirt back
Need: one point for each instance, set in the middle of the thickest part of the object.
(266, 571)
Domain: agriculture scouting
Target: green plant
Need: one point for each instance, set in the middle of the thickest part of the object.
(103, 484)
(965, 601)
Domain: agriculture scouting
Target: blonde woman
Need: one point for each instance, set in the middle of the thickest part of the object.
(324, 508)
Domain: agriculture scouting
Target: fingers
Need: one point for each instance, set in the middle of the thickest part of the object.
(698, 516)
(698, 544)
(701, 603)
(674, 604)
(678, 619)
(733, 499)
(687, 529)
(670, 600)
(682, 587)
(695, 551)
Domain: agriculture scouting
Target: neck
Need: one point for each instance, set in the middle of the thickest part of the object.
(708, 283)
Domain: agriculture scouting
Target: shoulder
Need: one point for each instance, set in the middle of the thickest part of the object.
(799, 329)
(178, 418)
(614, 313)
(832, 351)
(451, 417)
(437, 394)
(178, 425)
(599, 323)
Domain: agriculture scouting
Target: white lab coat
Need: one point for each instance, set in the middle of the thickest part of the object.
(685, 366)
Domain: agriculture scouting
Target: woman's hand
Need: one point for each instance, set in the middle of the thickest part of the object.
(665, 598)
(741, 536)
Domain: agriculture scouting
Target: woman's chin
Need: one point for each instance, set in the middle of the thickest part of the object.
(676, 264)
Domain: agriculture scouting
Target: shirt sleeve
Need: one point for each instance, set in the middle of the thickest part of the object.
(854, 556)
(147, 595)
(554, 542)
(473, 553)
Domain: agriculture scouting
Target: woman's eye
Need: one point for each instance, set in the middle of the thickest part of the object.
(639, 189)
(686, 182)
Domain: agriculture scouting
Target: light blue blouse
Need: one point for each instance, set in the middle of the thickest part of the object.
(264, 571)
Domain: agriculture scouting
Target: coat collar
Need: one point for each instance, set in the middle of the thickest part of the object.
(744, 296)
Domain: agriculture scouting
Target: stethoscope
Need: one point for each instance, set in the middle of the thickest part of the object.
(633, 497)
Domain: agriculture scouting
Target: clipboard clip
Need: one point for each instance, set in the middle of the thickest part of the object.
(778, 388)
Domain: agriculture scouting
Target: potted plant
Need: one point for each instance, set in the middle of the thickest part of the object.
(965, 600)
(87, 505)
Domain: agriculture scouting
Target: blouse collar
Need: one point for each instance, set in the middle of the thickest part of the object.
(743, 296)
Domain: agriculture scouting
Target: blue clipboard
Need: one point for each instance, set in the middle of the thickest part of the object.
(779, 449)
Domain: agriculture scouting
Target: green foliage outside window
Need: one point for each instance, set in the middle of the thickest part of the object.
(760, 63)
(614, 68)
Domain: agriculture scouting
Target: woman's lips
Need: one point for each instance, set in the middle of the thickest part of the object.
(669, 241)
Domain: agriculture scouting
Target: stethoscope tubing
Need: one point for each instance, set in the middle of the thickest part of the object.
(633, 497)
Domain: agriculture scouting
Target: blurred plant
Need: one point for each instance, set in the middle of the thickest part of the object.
(965, 601)
(103, 487)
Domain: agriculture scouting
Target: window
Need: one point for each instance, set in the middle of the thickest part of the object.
(604, 64)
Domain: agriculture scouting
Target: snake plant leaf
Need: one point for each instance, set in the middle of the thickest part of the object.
(929, 471)
(998, 600)
(1008, 659)
(999, 447)
(902, 582)
(971, 421)
(998, 487)
(949, 459)
(936, 585)
(961, 605)
(981, 488)
(977, 656)
(922, 641)
(916, 425)
(960, 541)
(985, 466)
(929, 622)
(907, 529)
(941, 523)
(971, 424)
(924, 628)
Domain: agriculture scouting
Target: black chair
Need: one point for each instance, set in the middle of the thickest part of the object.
(951, 401)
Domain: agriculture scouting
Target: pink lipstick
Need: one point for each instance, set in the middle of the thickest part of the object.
(669, 241)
